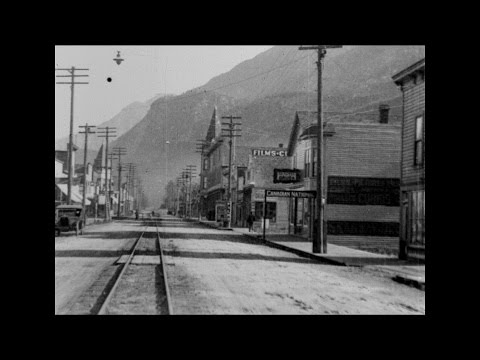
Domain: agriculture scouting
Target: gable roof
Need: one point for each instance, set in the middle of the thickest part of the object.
(214, 126)
(402, 75)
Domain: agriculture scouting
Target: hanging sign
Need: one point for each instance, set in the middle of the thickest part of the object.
(286, 176)
(291, 193)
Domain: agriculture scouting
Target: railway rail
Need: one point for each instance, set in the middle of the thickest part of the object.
(104, 308)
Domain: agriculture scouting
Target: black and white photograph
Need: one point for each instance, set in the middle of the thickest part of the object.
(240, 179)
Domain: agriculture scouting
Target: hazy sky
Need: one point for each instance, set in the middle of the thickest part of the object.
(146, 71)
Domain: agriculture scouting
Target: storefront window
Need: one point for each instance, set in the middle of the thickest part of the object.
(418, 218)
(271, 211)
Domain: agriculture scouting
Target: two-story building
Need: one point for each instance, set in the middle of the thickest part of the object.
(412, 184)
(260, 177)
(215, 172)
(362, 162)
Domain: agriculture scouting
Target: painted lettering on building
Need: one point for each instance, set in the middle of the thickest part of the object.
(273, 153)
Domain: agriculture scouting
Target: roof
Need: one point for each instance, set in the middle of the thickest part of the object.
(76, 196)
(416, 67)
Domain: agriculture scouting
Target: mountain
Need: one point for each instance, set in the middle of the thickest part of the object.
(349, 73)
(265, 91)
(127, 118)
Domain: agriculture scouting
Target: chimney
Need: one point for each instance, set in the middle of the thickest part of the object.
(280, 145)
(384, 109)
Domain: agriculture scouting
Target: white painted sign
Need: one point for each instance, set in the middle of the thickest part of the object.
(274, 153)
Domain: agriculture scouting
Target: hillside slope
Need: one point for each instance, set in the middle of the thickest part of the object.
(357, 79)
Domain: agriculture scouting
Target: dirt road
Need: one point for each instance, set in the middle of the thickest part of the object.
(80, 261)
(220, 272)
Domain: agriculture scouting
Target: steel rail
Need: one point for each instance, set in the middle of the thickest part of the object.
(165, 281)
(103, 308)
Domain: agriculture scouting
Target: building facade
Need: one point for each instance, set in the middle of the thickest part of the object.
(259, 176)
(362, 180)
(412, 186)
(212, 178)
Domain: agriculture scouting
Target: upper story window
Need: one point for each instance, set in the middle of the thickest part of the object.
(314, 163)
(205, 164)
(419, 140)
(307, 163)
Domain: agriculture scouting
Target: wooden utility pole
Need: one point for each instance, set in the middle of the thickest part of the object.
(87, 131)
(119, 151)
(231, 133)
(201, 146)
(72, 84)
(319, 242)
(191, 169)
(107, 133)
(129, 189)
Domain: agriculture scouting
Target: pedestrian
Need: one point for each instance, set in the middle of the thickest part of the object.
(136, 214)
(250, 221)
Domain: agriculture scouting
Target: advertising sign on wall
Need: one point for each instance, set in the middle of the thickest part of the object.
(274, 153)
(286, 176)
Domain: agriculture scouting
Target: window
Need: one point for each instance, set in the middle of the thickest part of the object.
(418, 217)
(205, 182)
(271, 211)
(205, 164)
(307, 163)
(314, 163)
(419, 148)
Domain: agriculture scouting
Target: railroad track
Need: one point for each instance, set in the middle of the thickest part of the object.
(104, 309)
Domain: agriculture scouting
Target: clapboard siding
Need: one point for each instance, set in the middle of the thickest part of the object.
(414, 105)
(364, 242)
(361, 150)
(373, 213)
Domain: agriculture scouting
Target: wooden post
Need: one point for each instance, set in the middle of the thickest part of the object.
(264, 213)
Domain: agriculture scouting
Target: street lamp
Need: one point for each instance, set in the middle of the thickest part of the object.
(118, 59)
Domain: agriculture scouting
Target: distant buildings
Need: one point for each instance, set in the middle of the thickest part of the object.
(412, 186)
(214, 173)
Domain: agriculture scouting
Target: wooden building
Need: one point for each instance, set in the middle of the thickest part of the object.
(260, 176)
(362, 178)
(215, 172)
(412, 186)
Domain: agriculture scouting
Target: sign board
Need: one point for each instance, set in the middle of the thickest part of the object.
(258, 194)
(291, 193)
(273, 153)
(286, 176)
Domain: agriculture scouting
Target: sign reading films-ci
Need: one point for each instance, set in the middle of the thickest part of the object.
(286, 176)
(264, 152)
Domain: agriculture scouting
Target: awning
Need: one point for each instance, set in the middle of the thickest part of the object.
(76, 196)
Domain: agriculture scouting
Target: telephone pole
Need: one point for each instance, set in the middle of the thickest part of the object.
(190, 170)
(319, 242)
(201, 146)
(72, 84)
(231, 133)
(107, 133)
(86, 132)
(130, 167)
(119, 151)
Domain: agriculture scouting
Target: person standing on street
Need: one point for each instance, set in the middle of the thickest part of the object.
(250, 221)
